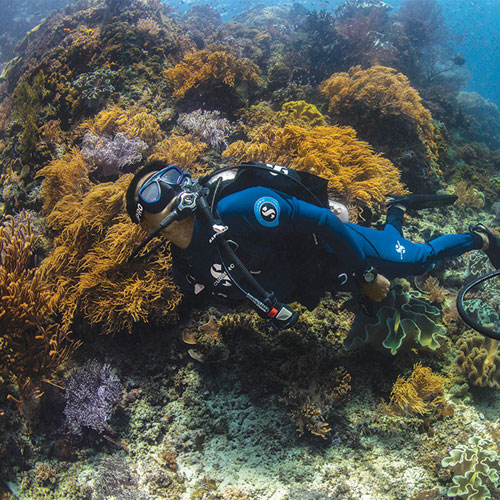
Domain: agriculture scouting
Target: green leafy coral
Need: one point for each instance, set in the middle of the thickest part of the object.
(476, 466)
(403, 321)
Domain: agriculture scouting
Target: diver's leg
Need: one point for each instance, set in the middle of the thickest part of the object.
(395, 256)
(394, 218)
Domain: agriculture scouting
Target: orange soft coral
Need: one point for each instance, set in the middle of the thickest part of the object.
(372, 93)
(184, 151)
(353, 170)
(87, 267)
(32, 345)
(212, 68)
(135, 122)
(420, 394)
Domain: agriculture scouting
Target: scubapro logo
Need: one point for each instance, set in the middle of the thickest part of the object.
(400, 249)
(267, 211)
(221, 276)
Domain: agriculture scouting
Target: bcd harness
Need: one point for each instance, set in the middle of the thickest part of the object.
(200, 198)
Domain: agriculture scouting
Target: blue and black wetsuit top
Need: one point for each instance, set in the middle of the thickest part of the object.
(293, 248)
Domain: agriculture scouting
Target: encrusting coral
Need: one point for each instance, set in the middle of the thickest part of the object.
(206, 68)
(421, 393)
(32, 345)
(476, 467)
(478, 359)
(87, 267)
(366, 95)
(353, 170)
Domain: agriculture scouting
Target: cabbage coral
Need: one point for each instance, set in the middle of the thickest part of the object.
(353, 170)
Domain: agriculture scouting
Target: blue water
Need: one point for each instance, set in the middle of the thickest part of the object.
(474, 24)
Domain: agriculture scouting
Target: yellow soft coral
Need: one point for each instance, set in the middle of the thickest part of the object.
(87, 268)
(301, 113)
(353, 170)
(32, 344)
(65, 176)
(212, 68)
(184, 151)
(136, 121)
(377, 92)
(421, 393)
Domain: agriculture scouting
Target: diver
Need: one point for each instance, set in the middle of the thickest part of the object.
(270, 247)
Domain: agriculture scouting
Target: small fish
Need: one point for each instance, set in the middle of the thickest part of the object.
(66, 29)
(458, 60)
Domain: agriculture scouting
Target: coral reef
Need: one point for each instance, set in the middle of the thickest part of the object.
(300, 113)
(212, 403)
(310, 406)
(209, 72)
(353, 170)
(32, 344)
(112, 154)
(134, 122)
(87, 267)
(476, 467)
(95, 88)
(209, 126)
(421, 393)
(478, 360)
(361, 98)
(184, 151)
(403, 321)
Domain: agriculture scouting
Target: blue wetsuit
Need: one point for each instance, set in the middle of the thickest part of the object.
(299, 250)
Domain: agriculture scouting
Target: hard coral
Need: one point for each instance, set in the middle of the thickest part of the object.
(32, 345)
(87, 267)
(364, 96)
(353, 170)
(478, 359)
(205, 70)
(421, 393)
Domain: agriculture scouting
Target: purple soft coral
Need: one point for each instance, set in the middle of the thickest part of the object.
(111, 154)
(91, 394)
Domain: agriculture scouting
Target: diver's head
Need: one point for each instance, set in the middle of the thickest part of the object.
(151, 196)
(152, 189)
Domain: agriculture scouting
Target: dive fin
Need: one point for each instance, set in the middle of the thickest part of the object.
(421, 201)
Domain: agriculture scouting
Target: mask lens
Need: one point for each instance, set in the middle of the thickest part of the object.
(150, 193)
(172, 175)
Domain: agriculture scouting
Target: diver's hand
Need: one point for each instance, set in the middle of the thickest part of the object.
(378, 290)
